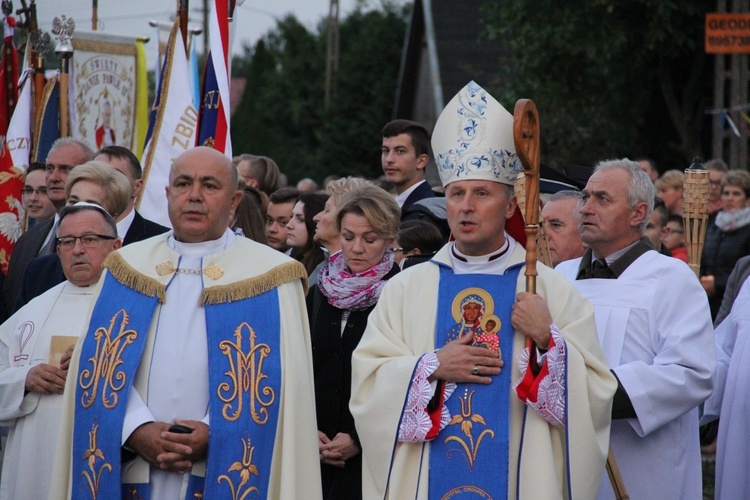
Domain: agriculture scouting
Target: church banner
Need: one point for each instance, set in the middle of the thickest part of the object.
(104, 90)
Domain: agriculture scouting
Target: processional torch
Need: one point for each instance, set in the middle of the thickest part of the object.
(695, 212)
(526, 139)
(63, 28)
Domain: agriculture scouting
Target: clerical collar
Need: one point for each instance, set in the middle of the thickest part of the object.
(617, 262)
(494, 263)
(480, 259)
(204, 248)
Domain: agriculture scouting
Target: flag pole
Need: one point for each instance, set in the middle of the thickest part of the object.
(182, 12)
(40, 41)
(37, 46)
(63, 27)
(10, 63)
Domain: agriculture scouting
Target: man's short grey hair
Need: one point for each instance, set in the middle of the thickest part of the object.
(565, 194)
(640, 188)
(69, 141)
(717, 164)
(89, 207)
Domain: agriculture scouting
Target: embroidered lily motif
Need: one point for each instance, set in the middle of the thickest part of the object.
(467, 419)
(94, 477)
(246, 467)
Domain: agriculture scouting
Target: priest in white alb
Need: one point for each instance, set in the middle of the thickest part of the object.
(195, 329)
(35, 348)
(517, 406)
(654, 324)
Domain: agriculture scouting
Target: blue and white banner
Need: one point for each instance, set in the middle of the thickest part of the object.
(172, 129)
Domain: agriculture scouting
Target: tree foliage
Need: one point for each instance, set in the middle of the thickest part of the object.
(611, 78)
(282, 113)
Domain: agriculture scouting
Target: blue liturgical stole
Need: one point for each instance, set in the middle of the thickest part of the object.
(110, 356)
(244, 385)
(469, 457)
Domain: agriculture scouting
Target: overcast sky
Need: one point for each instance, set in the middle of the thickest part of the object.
(131, 17)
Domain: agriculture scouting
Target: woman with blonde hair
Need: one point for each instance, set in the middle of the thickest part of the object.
(348, 288)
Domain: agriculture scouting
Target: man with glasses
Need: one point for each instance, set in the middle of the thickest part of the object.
(93, 182)
(66, 153)
(35, 348)
(36, 204)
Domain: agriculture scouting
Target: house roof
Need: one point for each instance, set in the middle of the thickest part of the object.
(446, 46)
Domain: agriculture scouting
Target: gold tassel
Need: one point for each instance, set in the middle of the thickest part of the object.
(252, 287)
(128, 276)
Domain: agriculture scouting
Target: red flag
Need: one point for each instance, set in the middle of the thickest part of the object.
(8, 76)
(11, 176)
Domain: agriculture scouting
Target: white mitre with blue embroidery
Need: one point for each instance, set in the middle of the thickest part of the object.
(473, 139)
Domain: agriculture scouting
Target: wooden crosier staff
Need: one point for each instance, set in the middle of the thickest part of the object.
(695, 212)
(526, 139)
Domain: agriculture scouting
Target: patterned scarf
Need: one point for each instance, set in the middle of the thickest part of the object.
(353, 291)
(730, 221)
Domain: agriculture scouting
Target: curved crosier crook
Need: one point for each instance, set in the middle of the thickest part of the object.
(526, 139)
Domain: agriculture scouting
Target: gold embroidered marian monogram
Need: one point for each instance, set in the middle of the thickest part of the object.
(245, 377)
(467, 421)
(245, 467)
(110, 344)
(94, 477)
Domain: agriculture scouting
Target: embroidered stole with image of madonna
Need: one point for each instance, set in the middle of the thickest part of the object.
(469, 457)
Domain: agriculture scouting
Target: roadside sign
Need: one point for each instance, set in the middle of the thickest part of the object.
(727, 33)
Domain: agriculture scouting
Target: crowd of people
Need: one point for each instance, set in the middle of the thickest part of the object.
(333, 342)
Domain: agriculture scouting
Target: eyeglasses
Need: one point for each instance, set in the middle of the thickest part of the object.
(28, 191)
(397, 249)
(87, 240)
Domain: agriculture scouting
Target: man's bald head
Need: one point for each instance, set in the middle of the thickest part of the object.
(202, 195)
(208, 155)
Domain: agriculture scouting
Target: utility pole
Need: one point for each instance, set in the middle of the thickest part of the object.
(332, 50)
(731, 82)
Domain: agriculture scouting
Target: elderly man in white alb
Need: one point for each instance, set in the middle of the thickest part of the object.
(655, 327)
(35, 348)
(193, 329)
(518, 406)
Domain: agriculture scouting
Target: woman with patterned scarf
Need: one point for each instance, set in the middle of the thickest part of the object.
(728, 239)
(348, 288)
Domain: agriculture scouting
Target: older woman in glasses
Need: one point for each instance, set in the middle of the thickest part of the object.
(348, 288)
